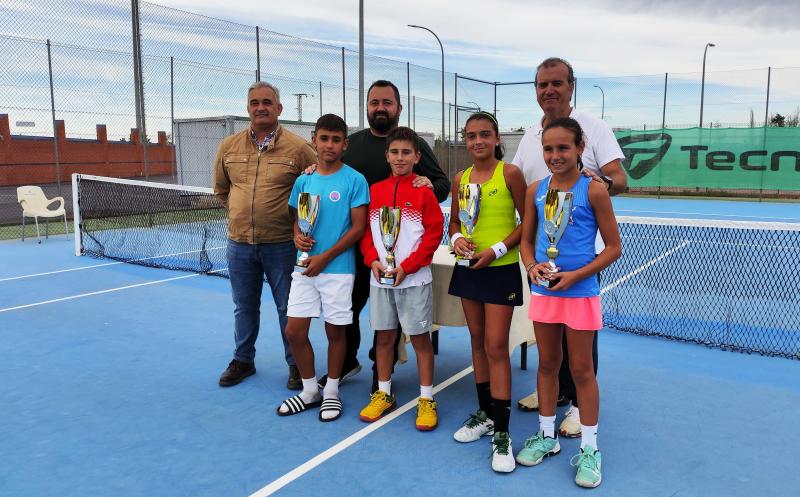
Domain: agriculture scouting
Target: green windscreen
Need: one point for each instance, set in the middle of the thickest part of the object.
(713, 158)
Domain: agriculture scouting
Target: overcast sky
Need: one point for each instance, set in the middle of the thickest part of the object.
(502, 39)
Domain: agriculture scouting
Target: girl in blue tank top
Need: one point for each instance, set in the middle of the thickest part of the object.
(570, 301)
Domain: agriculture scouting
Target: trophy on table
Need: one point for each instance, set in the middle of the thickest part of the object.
(469, 207)
(307, 212)
(389, 221)
(557, 211)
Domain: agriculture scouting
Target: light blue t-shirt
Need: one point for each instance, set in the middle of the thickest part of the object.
(339, 192)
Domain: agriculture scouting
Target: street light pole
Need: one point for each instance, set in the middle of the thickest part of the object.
(703, 81)
(603, 108)
(442, 49)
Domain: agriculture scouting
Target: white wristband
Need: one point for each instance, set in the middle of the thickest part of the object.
(500, 250)
(455, 237)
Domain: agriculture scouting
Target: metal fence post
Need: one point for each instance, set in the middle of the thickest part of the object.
(575, 94)
(414, 110)
(172, 114)
(663, 125)
(766, 127)
(344, 90)
(766, 109)
(495, 98)
(455, 111)
(53, 114)
(138, 84)
(258, 55)
(408, 88)
(664, 105)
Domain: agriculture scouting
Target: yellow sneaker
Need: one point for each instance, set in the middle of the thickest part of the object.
(379, 404)
(426, 415)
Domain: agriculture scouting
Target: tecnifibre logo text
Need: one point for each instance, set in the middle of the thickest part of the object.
(646, 151)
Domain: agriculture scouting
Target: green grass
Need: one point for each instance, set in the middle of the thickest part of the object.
(13, 232)
(144, 221)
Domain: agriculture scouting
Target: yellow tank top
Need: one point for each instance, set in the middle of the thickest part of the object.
(497, 217)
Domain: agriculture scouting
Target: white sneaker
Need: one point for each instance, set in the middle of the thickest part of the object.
(502, 454)
(571, 425)
(476, 426)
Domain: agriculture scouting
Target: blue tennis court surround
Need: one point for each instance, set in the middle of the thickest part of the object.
(110, 385)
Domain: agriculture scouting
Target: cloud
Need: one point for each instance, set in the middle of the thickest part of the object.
(772, 14)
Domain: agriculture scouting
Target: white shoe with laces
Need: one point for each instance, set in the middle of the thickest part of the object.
(571, 425)
(476, 426)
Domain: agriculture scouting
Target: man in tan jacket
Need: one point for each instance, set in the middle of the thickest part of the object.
(254, 173)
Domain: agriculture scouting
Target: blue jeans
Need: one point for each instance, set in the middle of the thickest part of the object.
(248, 266)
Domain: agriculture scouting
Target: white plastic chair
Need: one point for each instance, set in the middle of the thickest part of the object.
(35, 204)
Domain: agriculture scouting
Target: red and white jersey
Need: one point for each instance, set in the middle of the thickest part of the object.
(420, 231)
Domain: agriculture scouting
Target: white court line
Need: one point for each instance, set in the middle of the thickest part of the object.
(132, 261)
(347, 442)
(643, 267)
(360, 434)
(100, 292)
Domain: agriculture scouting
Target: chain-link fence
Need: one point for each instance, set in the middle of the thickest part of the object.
(69, 93)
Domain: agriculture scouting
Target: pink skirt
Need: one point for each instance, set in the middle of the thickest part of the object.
(579, 313)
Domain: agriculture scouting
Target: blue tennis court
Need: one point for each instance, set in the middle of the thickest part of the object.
(110, 388)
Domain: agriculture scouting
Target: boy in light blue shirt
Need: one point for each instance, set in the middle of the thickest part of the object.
(325, 283)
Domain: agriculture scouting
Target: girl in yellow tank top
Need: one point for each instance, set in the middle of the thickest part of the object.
(492, 285)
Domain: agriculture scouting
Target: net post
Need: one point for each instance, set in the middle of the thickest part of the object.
(76, 215)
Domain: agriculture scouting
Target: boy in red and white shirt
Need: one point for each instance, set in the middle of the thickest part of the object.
(408, 302)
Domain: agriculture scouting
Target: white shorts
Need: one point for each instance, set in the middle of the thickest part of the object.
(332, 294)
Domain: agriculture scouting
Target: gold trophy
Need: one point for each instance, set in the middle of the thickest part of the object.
(307, 212)
(469, 207)
(557, 211)
(390, 228)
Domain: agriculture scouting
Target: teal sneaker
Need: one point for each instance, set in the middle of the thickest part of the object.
(588, 463)
(537, 448)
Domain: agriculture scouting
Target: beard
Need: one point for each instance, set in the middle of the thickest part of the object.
(382, 122)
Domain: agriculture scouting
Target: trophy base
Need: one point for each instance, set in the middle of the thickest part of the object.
(465, 262)
(299, 268)
(385, 280)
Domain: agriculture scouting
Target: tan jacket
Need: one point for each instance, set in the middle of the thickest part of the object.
(255, 186)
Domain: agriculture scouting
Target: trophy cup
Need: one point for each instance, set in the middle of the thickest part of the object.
(307, 212)
(390, 227)
(557, 211)
(469, 207)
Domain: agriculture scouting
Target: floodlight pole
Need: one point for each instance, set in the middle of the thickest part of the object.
(703, 81)
(441, 47)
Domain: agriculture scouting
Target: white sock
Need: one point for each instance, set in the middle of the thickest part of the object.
(309, 394)
(426, 392)
(331, 390)
(310, 391)
(385, 387)
(588, 436)
(547, 424)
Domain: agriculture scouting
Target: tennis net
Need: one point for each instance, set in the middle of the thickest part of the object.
(150, 224)
(727, 284)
